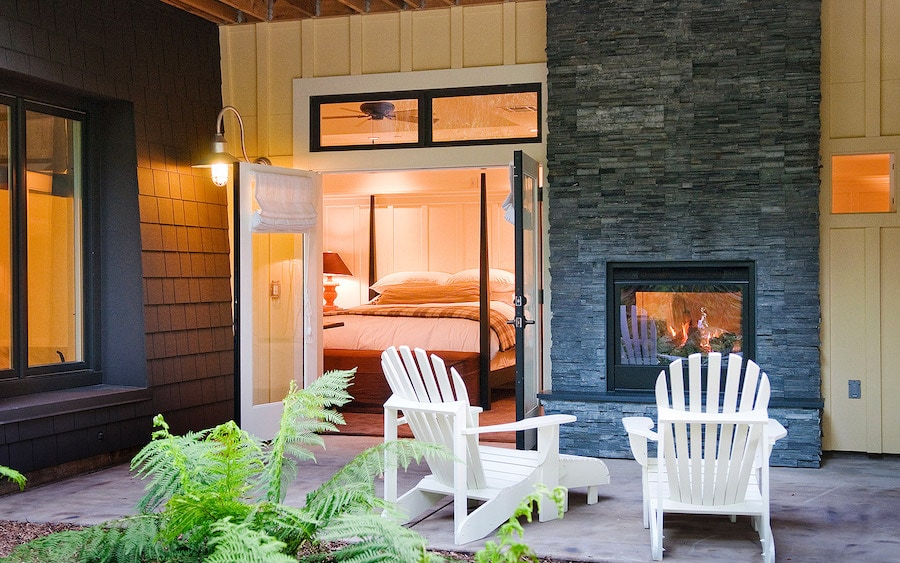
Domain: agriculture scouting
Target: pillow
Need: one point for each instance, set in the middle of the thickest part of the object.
(400, 278)
(418, 293)
(503, 296)
(500, 280)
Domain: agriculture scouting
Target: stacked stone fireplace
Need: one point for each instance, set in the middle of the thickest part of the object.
(682, 132)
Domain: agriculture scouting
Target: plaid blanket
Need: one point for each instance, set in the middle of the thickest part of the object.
(506, 333)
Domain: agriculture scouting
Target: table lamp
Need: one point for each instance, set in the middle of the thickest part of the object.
(332, 265)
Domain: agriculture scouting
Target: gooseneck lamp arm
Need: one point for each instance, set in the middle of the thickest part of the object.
(220, 130)
(219, 160)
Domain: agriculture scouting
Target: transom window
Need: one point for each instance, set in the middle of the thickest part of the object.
(420, 118)
(42, 272)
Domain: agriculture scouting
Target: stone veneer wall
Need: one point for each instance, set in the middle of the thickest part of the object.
(684, 130)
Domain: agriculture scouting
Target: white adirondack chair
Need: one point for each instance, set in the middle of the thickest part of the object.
(712, 455)
(436, 407)
(638, 338)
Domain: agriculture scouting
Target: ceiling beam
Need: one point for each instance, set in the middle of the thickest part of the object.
(303, 8)
(257, 9)
(210, 10)
(354, 5)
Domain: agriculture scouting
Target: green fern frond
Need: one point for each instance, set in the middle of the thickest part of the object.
(352, 488)
(306, 414)
(127, 540)
(370, 463)
(239, 542)
(234, 463)
(13, 476)
(380, 540)
(293, 526)
(190, 517)
(171, 464)
(330, 390)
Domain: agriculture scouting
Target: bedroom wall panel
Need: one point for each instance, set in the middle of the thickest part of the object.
(345, 225)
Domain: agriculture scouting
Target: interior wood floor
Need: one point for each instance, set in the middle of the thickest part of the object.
(503, 409)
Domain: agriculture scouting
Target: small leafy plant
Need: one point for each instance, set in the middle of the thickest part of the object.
(13, 476)
(512, 548)
(217, 496)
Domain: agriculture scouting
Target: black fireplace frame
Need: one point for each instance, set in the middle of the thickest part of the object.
(642, 378)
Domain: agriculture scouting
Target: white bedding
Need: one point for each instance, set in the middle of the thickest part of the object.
(364, 332)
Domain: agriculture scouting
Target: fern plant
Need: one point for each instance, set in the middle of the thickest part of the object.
(13, 476)
(512, 548)
(217, 495)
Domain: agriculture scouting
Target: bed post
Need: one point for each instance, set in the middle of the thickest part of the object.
(484, 305)
(372, 292)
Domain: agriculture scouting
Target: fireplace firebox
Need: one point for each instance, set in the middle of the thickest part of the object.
(661, 311)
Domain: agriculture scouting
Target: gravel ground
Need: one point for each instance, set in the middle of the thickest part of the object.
(15, 533)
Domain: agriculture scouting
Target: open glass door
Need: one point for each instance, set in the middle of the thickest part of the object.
(277, 270)
(526, 174)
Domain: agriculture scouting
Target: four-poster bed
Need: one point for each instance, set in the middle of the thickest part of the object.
(463, 317)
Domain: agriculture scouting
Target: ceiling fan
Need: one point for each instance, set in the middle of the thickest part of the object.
(378, 111)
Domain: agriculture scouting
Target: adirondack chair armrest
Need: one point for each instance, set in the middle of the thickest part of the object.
(639, 433)
(526, 424)
(640, 426)
(775, 431)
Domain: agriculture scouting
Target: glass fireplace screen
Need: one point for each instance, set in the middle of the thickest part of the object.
(661, 314)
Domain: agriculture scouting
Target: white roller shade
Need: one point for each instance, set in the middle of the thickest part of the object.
(285, 203)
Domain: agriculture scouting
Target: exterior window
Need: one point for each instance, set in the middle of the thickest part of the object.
(862, 183)
(425, 118)
(42, 273)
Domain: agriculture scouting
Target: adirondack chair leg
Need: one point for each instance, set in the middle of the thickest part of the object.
(656, 535)
(491, 515)
(579, 471)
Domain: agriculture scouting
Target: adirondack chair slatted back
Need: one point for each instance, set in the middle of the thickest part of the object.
(709, 456)
(638, 337)
(415, 378)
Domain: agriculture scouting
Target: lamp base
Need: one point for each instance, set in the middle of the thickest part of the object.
(329, 292)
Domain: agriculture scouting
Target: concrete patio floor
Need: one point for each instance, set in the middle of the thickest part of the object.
(845, 511)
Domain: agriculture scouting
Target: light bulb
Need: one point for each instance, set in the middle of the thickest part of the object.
(220, 174)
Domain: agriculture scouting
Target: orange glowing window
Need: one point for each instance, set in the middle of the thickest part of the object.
(862, 183)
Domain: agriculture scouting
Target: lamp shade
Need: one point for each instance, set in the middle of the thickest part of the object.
(332, 265)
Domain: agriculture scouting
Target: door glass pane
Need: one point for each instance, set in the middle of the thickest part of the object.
(53, 183)
(5, 244)
(530, 283)
(278, 269)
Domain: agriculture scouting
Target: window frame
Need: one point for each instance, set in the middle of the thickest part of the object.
(21, 379)
(425, 111)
